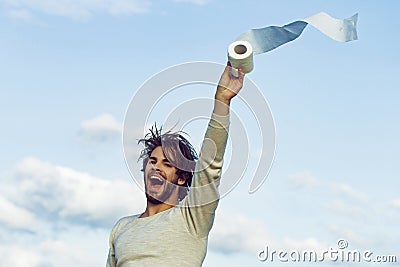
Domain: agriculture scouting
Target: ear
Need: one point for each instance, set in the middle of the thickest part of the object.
(181, 181)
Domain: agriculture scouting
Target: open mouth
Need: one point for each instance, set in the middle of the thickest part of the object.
(156, 181)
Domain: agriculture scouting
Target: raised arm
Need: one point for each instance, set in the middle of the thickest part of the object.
(202, 200)
(228, 87)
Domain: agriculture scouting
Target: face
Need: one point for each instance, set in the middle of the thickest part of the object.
(160, 178)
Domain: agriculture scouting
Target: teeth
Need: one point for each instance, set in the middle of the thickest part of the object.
(156, 177)
(156, 180)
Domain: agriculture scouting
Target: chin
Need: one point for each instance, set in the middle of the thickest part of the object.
(153, 200)
(156, 199)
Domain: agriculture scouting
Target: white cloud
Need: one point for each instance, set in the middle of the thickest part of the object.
(196, 2)
(234, 233)
(348, 234)
(303, 179)
(395, 203)
(21, 14)
(19, 256)
(15, 217)
(80, 9)
(346, 209)
(101, 128)
(310, 243)
(66, 253)
(348, 191)
(237, 233)
(74, 245)
(61, 192)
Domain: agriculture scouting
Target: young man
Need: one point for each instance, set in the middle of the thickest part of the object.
(174, 228)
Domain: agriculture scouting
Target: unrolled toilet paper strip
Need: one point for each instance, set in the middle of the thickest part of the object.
(268, 38)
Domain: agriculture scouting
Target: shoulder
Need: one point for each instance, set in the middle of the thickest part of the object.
(121, 223)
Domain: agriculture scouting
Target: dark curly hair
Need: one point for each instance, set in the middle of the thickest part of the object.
(177, 149)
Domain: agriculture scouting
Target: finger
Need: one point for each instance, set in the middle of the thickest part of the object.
(241, 73)
(226, 71)
(234, 73)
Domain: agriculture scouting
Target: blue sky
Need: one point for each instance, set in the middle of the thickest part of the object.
(69, 69)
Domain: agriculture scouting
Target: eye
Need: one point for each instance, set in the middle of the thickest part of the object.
(169, 165)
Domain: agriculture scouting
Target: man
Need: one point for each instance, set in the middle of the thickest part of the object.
(173, 230)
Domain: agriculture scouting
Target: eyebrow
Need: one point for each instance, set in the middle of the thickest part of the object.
(155, 158)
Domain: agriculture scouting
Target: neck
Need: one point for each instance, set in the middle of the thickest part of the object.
(152, 209)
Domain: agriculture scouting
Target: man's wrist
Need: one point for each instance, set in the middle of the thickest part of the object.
(222, 99)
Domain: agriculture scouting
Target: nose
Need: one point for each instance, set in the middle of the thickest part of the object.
(156, 166)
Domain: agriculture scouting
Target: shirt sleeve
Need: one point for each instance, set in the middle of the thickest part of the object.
(112, 259)
(198, 208)
(111, 253)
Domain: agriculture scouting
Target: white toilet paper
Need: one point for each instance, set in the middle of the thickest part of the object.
(240, 55)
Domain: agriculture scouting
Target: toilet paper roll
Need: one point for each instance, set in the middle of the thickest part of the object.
(240, 55)
(268, 38)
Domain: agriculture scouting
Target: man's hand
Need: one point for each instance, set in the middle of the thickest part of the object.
(228, 87)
